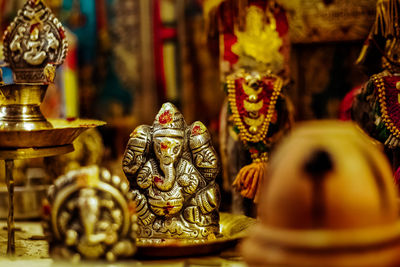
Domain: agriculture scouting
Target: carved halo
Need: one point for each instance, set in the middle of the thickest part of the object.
(66, 191)
(34, 40)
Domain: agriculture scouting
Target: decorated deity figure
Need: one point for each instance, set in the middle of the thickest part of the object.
(377, 107)
(34, 55)
(254, 54)
(172, 169)
(35, 40)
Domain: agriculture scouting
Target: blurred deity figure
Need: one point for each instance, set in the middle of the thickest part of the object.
(377, 107)
(254, 48)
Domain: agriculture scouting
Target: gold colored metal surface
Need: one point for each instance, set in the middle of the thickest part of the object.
(63, 132)
(27, 201)
(20, 107)
(172, 169)
(91, 214)
(26, 94)
(34, 44)
(326, 21)
(88, 150)
(303, 223)
(232, 229)
(28, 153)
(10, 218)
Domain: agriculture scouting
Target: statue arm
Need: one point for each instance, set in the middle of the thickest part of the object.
(144, 177)
(136, 151)
(142, 209)
(190, 178)
(189, 182)
(204, 154)
(207, 158)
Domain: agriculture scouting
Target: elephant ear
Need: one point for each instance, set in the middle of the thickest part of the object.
(198, 135)
(137, 150)
(204, 155)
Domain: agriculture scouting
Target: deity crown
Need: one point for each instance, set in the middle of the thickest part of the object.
(34, 44)
(169, 121)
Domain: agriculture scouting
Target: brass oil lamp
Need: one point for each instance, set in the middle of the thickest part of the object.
(34, 45)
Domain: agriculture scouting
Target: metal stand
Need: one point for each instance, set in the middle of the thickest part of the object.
(22, 153)
(10, 218)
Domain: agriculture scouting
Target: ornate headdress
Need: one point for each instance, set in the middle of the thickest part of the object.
(382, 42)
(169, 121)
(34, 44)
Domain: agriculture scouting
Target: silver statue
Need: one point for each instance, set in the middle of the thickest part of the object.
(90, 214)
(33, 41)
(172, 169)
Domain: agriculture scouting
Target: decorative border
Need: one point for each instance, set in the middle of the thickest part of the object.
(28, 73)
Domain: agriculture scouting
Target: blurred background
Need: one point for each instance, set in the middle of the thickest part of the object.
(127, 57)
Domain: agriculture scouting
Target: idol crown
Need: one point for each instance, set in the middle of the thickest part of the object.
(34, 44)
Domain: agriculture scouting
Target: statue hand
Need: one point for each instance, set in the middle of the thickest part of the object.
(144, 177)
(71, 237)
(136, 150)
(184, 180)
(198, 160)
(189, 183)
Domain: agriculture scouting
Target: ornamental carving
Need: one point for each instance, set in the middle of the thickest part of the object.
(34, 40)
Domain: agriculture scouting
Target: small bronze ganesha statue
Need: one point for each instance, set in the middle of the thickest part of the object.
(172, 169)
(90, 214)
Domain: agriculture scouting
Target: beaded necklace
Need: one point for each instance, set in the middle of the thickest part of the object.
(253, 109)
(388, 97)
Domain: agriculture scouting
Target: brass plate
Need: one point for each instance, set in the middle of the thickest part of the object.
(35, 152)
(62, 133)
(233, 228)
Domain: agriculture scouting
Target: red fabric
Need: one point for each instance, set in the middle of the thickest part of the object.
(282, 24)
(392, 103)
(101, 15)
(347, 102)
(158, 50)
(72, 58)
(229, 41)
(227, 13)
(265, 95)
(397, 178)
(168, 33)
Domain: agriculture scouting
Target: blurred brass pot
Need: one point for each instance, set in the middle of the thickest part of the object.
(329, 200)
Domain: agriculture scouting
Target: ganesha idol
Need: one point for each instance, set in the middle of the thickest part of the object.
(172, 169)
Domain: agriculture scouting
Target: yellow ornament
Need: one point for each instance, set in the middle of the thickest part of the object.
(259, 41)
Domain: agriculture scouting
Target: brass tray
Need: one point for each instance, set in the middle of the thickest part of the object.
(233, 228)
(62, 133)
